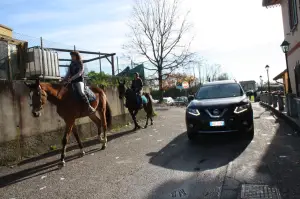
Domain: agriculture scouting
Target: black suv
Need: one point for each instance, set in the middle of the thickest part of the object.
(219, 107)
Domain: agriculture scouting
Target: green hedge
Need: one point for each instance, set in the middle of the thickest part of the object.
(105, 80)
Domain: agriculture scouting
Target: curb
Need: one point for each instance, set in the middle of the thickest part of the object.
(286, 118)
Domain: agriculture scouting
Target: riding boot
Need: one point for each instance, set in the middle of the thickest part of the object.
(91, 110)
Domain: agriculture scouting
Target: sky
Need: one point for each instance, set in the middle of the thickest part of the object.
(242, 36)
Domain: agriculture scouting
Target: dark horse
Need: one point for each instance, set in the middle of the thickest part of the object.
(132, 105)
(70, 109)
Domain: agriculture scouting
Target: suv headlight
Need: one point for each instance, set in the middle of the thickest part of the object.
(193, 111)
(242, 108)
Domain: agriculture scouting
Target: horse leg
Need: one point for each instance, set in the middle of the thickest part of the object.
(104, 126)
(76, 135)
(134, 115)
(133, 118)
(69, 126)
(97, 121)
(147, 117)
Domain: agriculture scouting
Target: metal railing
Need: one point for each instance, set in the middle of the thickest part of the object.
(274, 100)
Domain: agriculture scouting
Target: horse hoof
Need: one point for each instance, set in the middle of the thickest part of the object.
(145, 126)
(151, 124)
(103, 147)
(82, 153)
(61, 164)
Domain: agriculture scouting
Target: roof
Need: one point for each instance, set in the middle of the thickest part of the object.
(280, 75)
(130, 72)
(3, 26)
(267, 3)
(11, 40)
(219, 82)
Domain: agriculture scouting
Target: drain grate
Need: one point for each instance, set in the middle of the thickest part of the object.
(251, 191)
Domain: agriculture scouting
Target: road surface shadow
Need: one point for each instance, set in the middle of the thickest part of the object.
(52, 165)
(187, 188)
(74, 146)
(282, 159)
(205, 153)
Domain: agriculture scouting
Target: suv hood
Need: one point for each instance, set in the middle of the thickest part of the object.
(218, 101)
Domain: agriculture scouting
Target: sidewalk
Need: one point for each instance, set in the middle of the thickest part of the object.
(293, 122)
(283, 156)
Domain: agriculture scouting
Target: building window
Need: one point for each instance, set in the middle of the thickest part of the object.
(297, 77)
(293, 14)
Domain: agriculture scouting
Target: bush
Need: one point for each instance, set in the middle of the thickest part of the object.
(105, 80)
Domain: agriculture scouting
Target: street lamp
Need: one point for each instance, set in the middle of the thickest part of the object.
(261, 83)
(285, 46)
(267, 69)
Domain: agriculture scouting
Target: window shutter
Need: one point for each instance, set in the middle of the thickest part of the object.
(290, 9)
(295, 13)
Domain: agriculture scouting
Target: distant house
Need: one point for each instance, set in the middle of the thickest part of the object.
(290, 15)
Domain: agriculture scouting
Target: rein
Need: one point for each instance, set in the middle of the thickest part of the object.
(65, 86)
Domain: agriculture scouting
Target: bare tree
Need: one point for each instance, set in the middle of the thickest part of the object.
(157, 34)
(213, 72)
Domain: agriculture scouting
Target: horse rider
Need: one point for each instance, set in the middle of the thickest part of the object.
(137, 87)
(75, 77)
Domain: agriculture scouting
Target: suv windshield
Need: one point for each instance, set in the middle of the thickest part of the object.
(219, 91)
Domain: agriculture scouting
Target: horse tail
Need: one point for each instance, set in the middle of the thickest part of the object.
(108, 115)
(148, 96)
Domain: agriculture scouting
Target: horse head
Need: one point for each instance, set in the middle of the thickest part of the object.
(38, 97)
(121, 89)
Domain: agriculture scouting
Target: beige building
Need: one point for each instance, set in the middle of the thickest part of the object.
(291, 17)
(12, 55)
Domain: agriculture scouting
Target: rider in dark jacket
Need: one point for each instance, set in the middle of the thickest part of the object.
(75, 77)
(137, 86)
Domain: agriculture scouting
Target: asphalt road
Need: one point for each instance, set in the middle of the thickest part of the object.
(157, 162)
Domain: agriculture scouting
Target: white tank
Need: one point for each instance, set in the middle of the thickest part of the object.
(35, 66)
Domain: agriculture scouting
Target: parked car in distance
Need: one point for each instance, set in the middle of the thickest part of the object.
(181, 101)
(168, 100)
(219, 107)
(155, 101)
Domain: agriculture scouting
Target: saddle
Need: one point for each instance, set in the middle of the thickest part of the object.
(88, 92)
(143, 98)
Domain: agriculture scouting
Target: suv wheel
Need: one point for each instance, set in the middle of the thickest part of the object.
(250, 134)
(191, 135)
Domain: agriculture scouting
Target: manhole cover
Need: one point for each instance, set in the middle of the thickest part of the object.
(250, 191)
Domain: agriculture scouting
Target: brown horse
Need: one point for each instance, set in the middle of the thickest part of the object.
(133, 107)
(70, 109)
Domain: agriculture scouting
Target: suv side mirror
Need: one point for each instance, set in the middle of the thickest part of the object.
(191, 98)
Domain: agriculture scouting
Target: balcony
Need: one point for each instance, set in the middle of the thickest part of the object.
(270, 3)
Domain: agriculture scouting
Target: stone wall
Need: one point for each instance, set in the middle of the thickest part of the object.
(22, 135)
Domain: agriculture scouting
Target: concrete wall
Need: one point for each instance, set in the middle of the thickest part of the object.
(22, 135)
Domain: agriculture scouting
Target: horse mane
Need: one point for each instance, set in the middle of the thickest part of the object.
(51, 88)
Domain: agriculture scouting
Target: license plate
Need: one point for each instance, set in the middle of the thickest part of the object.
(217, 123)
